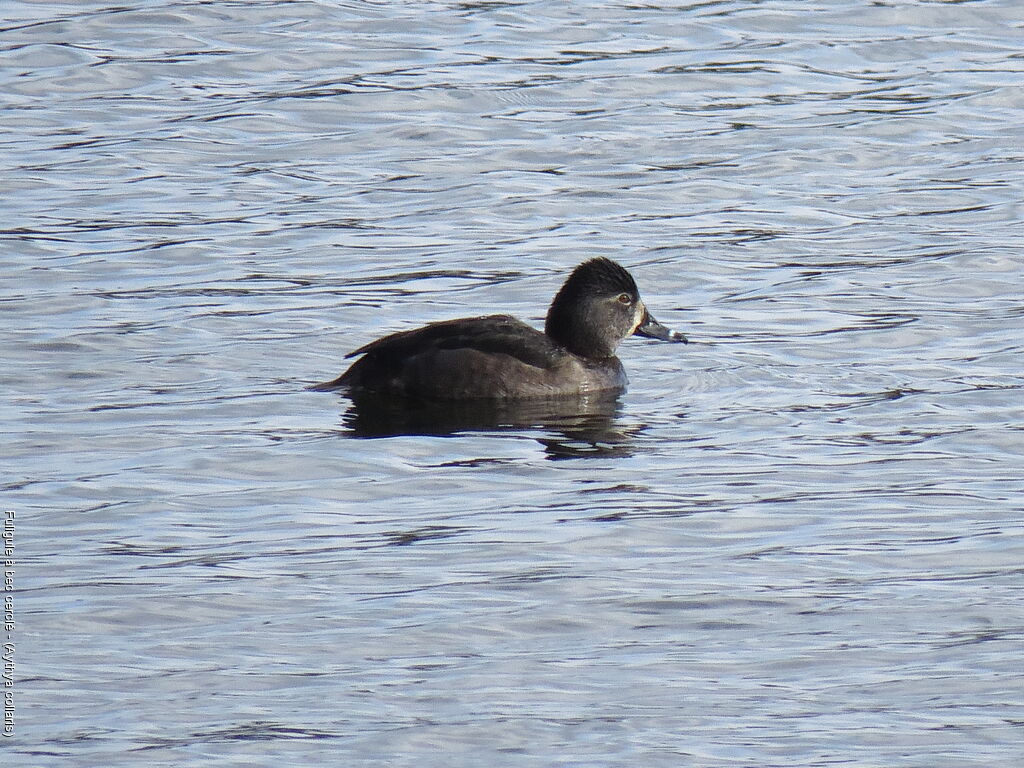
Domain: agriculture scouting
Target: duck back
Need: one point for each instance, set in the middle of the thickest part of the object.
(493, 357)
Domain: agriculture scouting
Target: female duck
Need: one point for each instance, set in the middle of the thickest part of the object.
(498, 357)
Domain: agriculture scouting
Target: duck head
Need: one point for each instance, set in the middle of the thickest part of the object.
(597, 307)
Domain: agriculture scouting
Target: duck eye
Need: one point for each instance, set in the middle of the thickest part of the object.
(625, 298)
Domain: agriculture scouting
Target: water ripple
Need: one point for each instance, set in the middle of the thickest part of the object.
(794, 541)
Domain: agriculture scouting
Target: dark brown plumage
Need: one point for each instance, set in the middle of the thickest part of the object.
(500, 357)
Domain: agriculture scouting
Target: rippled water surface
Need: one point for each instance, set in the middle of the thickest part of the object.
(796, 541)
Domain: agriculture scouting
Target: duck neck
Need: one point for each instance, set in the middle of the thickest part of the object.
(578, 336)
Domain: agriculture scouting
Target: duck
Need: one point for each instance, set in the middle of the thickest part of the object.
(501, 358)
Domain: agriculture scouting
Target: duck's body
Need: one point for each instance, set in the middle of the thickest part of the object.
(496, 356)
(499, 357)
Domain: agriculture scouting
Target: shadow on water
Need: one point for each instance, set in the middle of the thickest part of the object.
(566, 427)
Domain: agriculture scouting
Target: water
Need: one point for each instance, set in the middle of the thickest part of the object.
(795, 541)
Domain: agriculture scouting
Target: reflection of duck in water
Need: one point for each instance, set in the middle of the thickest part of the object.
(498, 358)
(574, 425)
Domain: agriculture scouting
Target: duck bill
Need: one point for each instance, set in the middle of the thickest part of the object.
(652, 329)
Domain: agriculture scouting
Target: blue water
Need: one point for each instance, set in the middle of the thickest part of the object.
(796, 541)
